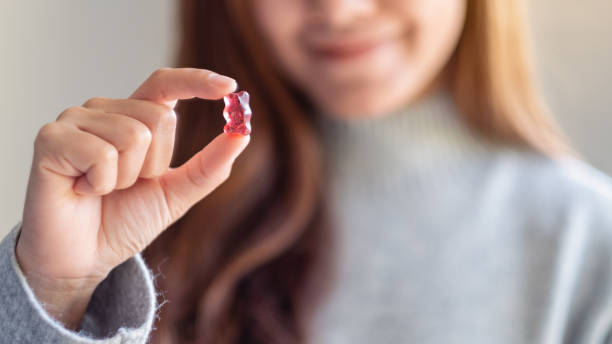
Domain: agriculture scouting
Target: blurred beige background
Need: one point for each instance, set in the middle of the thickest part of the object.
(59, 53)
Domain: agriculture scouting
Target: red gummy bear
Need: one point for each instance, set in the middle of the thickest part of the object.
(237, 113)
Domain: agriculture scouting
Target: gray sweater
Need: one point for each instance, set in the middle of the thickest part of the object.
(442, 237)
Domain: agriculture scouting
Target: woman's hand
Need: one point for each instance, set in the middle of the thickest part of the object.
(101, 189)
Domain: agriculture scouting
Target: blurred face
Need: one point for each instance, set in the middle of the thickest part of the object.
(357, 58)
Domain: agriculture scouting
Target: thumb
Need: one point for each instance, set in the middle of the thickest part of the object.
(192, 181)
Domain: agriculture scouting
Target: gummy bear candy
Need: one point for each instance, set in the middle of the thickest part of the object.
(237, 113)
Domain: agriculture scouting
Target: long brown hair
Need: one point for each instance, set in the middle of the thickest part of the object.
(246, 264)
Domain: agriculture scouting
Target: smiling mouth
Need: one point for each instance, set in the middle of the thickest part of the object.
(344, 49)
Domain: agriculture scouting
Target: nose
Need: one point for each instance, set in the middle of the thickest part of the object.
(338, 13)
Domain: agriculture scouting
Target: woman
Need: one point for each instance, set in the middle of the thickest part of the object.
(402, 184)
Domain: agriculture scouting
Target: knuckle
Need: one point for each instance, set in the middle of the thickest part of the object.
(165, 120)
(46, 134)
(94, 102)
(139, 135)
(214, 176)
(108, 154)
(160, 73)
(70, 112)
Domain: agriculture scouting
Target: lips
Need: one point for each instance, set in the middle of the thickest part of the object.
(348, 45)
(345, 48)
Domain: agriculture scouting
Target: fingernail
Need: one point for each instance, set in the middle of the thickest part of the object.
(222, 81)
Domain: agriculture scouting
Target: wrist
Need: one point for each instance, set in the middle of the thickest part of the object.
(64, 299)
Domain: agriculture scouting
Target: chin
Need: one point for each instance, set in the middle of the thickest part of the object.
(357, 106)
(367, 95)
(363, 102)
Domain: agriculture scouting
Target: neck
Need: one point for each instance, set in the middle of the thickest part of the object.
(418, 141)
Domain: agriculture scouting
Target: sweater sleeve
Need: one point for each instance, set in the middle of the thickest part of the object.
(122, 308)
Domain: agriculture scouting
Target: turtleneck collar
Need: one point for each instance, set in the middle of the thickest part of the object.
(425, 139)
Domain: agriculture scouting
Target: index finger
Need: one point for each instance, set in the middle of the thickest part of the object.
(167, 85)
